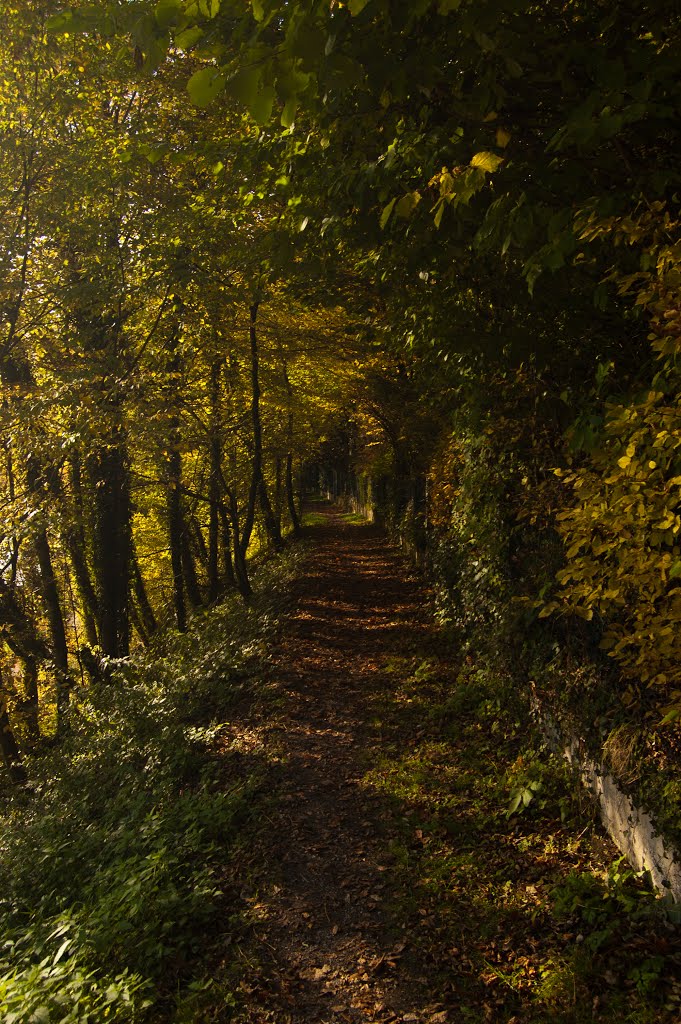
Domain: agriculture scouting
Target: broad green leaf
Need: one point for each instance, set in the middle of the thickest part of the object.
(291, 83)
(513, 67)
(203, 8)
(487, 161)
(261, 107)
(244, 85)
(168, 12)
(61, 22)
(675, 570)
(60, 952)
(439, 211)
(258, 10)
(387, 210)
(503, 138)
(288, 114)
(357, 6)
(407, 204)
(185, 40)
(204, 85)
(307, 42)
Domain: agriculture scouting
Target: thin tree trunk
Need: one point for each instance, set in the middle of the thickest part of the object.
(258, 489)
(50, 592)
(77, 545)
(55, 620)
(112, 544)
(226, 535)
(146, 612)
(191, 581)
(240, 569)
(30, 705)
(277, 491)
(290, 493)
(291, 498)
(8, 744)
(214, 485)
(137, 624)
(175, 531)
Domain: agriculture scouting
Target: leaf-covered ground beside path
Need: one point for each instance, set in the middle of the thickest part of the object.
(418, 857)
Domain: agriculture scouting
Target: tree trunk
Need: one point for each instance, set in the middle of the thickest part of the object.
(258, 489)
(291, 498)
(146, 612)
(214, 485)
(278, 473)
(76, 542)
(290, 493)
(175, 531)
(226, 534)
(240, 569)
(191, 581)
(112, 544)
(8, 744)
(55, 620)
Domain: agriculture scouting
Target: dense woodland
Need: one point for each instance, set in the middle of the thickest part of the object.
(423, 257)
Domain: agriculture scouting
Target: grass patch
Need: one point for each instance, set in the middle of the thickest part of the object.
(314, 519)
(354, 519)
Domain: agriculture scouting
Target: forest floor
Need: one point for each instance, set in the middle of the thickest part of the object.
(385, 877)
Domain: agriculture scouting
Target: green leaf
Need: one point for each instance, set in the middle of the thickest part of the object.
(60, 952)
(288, 114)
(675, 570)
(61, 22)
(204, 85)
(258, 10)
(168, 12)
(244, 85)
(185, 40)
(387, 210)
(261, 107)
(513, 67)
(407, 204)
(487, 161)
(357, 6)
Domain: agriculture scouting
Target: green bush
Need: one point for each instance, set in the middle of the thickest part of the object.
(110, 861)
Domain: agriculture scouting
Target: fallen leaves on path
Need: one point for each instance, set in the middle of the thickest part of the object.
(391, 886)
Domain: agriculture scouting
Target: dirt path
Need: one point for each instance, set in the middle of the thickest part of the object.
(388, 880)
(329, 950)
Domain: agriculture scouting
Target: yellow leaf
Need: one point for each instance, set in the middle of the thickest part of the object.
(503, 138)
(488, 162)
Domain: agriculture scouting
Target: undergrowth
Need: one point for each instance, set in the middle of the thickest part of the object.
(508, 891)
(111, 859)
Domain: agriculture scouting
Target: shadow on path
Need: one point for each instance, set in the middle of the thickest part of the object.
(328, 947)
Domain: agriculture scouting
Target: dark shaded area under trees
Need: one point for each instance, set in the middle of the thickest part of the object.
(425, 256)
